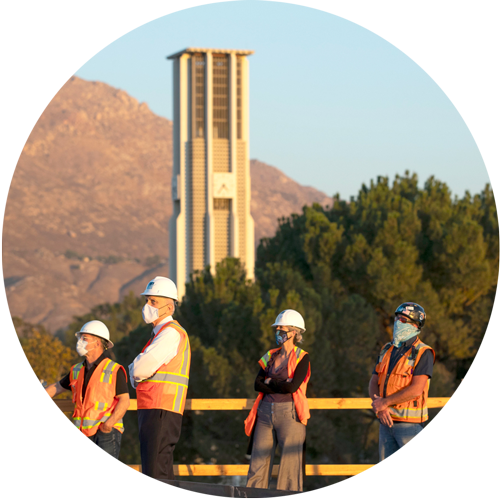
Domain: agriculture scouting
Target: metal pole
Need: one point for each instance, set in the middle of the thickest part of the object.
(42, 444)
(469, 392)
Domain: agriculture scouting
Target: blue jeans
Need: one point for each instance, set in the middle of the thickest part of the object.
(407, 441)
(103, 447)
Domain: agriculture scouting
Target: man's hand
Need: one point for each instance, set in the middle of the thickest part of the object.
(385, 417)
(22, 400)
(379, 404)
(106, 428)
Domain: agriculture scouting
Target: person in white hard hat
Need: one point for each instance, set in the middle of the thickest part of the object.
(99, 387)
(280, 412)
(160, 374)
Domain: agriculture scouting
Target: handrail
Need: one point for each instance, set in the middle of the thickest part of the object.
(66, 405)
(63, 473)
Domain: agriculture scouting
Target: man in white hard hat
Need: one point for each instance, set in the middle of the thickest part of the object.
(160, 374)
(99, 387)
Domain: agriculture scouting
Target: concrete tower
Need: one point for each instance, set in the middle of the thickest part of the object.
(211, 172)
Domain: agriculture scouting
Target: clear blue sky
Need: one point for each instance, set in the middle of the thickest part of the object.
(331, 104)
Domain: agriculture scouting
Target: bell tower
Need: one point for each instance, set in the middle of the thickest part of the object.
(211, 173)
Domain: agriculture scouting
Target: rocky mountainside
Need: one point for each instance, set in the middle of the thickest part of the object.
(88, 208)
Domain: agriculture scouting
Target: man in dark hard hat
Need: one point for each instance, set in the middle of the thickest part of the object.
(399, 385)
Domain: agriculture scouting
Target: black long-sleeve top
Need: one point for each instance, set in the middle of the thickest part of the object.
(278, 387)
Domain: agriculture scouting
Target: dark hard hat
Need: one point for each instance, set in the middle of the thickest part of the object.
(412, 311)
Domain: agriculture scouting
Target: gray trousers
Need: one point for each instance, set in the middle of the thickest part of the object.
(277, 423)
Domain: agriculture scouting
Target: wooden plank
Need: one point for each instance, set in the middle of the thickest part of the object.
(219, 404)
(246, 404)
(463, 403)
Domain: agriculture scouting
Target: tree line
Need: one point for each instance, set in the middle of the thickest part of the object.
(345, 268)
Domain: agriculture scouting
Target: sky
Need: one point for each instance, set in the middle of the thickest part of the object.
(332, 104)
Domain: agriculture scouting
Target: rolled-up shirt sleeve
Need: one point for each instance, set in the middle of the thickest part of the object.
(162, 350)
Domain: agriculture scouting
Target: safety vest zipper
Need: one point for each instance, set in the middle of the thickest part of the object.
(386, 381)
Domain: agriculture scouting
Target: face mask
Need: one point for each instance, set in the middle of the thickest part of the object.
(281, 337)
(149, 314)
(402, 332)
(81, 347)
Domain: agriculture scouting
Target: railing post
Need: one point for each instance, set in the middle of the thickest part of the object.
(42, 444)
(469, 392)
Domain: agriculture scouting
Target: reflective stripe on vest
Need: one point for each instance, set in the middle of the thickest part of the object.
(412, 411)
(107, 372)
(75, 371)
(408, 413)
(167, 388)
(299, 396)
(89, 423)
(265, 359)
(172, 378)
(100, 396)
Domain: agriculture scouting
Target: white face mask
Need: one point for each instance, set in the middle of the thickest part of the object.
(81, 347)
(149, 314)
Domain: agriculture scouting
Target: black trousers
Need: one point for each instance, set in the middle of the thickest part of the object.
(159, 431)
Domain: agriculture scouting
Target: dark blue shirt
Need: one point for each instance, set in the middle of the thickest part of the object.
(424, 365)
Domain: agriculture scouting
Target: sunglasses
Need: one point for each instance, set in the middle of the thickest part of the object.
(404, 319)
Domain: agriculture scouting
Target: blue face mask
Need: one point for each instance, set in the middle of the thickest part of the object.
(402, 332)
(281, 337)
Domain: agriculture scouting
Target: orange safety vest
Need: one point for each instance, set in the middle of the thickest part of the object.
(100, 396)
(414, 410)
(299, 396)
(167, 388)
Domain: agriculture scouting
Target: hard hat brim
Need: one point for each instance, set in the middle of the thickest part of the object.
(159, 295)
(110, 344)
(292, 326)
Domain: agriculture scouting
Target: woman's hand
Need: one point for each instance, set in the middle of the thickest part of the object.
(267, 380)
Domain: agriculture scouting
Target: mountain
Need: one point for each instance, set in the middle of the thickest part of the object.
(87, 214)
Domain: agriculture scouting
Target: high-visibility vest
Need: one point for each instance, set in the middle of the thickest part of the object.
(299, 396)
(100, 396)
(167, 388)
(412, 411)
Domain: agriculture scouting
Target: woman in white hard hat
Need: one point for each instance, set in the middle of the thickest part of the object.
(280, 412)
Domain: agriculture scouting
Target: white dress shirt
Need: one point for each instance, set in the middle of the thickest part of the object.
(161, 350)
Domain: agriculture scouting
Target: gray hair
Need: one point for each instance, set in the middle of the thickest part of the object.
(298, 333)
(104, 343)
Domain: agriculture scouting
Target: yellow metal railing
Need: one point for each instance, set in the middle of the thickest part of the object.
(63, 474)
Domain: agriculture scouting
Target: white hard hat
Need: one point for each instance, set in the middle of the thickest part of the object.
(161, 287)
(97, 328)
(289, 317)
